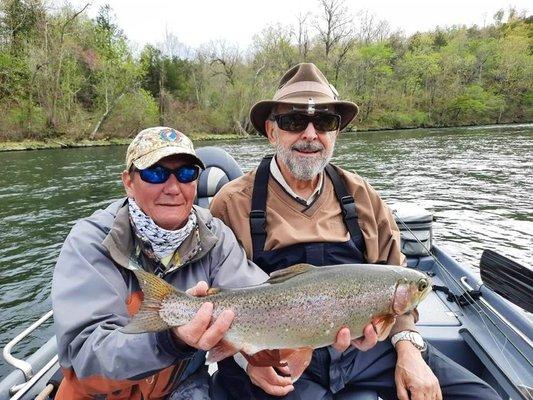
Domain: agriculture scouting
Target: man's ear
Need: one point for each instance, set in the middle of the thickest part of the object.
(127, 181)
(269, 129)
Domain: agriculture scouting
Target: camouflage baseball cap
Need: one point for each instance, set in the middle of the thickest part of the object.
(152, 144)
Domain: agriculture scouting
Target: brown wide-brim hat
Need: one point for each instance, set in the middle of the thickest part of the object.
(303, 86)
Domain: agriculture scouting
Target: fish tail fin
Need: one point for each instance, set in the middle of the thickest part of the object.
(155, 290)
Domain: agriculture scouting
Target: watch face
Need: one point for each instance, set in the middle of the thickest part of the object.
(417, 340)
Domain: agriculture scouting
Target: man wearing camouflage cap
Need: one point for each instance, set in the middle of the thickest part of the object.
(298, 208)
(95, 293)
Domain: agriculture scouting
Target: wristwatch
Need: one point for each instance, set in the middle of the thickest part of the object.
(414, 337)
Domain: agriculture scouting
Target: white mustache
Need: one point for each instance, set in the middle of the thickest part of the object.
(307, 146)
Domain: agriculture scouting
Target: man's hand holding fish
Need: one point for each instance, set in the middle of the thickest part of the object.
(277, 381)
(364, 343)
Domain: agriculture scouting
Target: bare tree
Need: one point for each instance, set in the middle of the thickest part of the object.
(274, 48)
(63, 30)
(370, 29)
(303, 36)
(340, 57)
(172, 47)
(334, 23)
(227, 56)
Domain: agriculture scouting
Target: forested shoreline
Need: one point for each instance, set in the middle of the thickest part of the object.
(65, 77)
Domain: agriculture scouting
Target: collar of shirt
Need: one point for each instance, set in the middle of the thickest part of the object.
(278, 176)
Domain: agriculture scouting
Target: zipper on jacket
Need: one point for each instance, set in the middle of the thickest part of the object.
(159, 271)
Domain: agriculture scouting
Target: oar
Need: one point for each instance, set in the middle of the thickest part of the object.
(509, 279)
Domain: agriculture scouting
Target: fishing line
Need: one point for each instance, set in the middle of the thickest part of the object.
(448, 276)
(481, 312)
(465, 293)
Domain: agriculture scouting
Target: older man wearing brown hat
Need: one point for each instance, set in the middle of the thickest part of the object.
(298, 208)
(95, 291)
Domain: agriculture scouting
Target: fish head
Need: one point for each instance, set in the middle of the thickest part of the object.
(410, 291)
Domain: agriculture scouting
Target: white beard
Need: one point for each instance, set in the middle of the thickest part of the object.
(303, 168)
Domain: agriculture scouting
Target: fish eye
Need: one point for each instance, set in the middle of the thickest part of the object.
(422, 285)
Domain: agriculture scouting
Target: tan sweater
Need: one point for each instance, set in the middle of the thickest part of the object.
(290, 222)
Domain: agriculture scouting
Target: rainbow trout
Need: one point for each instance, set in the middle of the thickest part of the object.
(300, 307)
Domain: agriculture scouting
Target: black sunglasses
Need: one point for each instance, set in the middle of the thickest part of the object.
(298, 122)
(159, 174)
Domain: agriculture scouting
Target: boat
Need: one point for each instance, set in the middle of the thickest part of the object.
(482, 322)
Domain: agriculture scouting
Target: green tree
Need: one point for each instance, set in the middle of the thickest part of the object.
(116, 72)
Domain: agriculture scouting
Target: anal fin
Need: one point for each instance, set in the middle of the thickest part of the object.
(265, 358)
(222, 350)
(298, 360)
(383, 325)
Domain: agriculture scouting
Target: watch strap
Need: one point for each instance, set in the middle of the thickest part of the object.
(410, 336)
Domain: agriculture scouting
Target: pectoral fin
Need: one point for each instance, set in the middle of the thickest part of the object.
(222, 350)
(298, 361)
(383, 325)
(265, 358)
(283, 274)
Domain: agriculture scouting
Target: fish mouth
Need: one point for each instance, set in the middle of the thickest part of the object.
(424, 286)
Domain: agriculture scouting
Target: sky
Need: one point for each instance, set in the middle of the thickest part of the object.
(195, 22)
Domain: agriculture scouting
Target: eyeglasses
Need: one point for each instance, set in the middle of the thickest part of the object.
(298, 122)
(159, 174)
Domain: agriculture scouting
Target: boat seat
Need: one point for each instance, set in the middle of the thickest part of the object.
(220, 168)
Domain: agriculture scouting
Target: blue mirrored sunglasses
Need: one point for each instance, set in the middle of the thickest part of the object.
(160, 174)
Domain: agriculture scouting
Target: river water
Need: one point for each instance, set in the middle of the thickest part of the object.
(477, 181)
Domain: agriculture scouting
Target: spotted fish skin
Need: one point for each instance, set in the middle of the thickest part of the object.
(301, 306)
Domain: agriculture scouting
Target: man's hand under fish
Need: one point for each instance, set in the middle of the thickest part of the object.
(277, 381)
(364, 343)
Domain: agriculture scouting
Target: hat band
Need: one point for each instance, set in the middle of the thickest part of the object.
(304, 86)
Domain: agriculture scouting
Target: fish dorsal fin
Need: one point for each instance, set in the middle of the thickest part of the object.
(283, 274)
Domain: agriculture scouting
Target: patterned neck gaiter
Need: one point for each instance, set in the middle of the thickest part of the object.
(163, 242)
